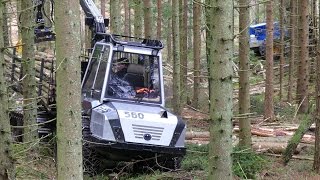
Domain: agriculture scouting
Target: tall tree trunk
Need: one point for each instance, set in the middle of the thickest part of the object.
(219, 18)
(159, 19)
(6, 162)
(293, 30)
(244, 72)
(257, 10)
(316, 162)
(303, 68)
(282, 60)
(103, 7)
(18, 13)
(175, 58)
(6, 34)
(312, 21)
(28, 69)
(129, 20)
(169, 35)
(268, 102)
(196, 52)
(115, 17)
(69, 125)
(126, 17)
(183, 15)
(147, 18)
(138, 19)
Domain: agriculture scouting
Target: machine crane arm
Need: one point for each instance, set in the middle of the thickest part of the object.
(94, 17)
(94, 20)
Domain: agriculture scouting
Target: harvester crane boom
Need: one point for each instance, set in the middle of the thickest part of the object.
(94, 20)
(93, 14)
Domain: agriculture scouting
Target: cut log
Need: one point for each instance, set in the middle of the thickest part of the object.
(196, 142)
(293, 157)
(274, 147)
(261, 147)
(192, 135)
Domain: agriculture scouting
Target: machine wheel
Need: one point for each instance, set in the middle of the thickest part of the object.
(45, 128)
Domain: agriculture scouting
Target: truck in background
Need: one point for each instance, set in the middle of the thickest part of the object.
(258, 35)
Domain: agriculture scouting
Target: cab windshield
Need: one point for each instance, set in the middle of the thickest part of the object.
(134, 77)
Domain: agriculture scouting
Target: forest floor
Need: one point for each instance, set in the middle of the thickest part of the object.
(300, 167)
(265, 163)
(195, 164)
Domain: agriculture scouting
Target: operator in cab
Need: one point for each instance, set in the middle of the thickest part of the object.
(121, 67)
(118, 86)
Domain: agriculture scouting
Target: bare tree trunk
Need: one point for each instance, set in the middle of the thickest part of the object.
(183, 15)
(69, 125)
(129, 20)
(6, 161)
(282, 60)
(257, 9)
(316, 162)
(115, 17)
(126, 17)
(28, 68)
(175, 58)
(268, 102)
(312, 21)
(169, 36)
(244, 73)
(219, 18)
(103, 7)
(147, 19)
(159, 19)
(196, 52)
(293, 30)
(303, 68)
(138, 19)
(6, 35)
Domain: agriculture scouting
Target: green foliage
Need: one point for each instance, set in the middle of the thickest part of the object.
(167, 11)
(30, 173)
(196, 158)
(257, 103)
(286, 112)
(156, 175)
(253, 58)
(33, 163)
(246, 163)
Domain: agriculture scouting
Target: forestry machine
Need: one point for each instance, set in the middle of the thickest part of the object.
(123, 97)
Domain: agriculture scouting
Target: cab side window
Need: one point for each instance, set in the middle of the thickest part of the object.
(94, 79)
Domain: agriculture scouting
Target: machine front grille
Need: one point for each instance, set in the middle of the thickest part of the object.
(140, 131)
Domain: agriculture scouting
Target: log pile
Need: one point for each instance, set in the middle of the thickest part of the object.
(264, 139)
(44, 66)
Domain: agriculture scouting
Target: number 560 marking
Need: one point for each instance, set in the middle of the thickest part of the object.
(133, 115)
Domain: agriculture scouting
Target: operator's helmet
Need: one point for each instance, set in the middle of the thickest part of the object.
(123, 60)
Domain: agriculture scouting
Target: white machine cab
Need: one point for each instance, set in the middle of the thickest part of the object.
(123, 96)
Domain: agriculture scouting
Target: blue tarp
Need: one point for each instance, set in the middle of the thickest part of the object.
(259, 30)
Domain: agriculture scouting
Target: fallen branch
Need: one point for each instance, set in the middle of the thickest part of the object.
(297, 138)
